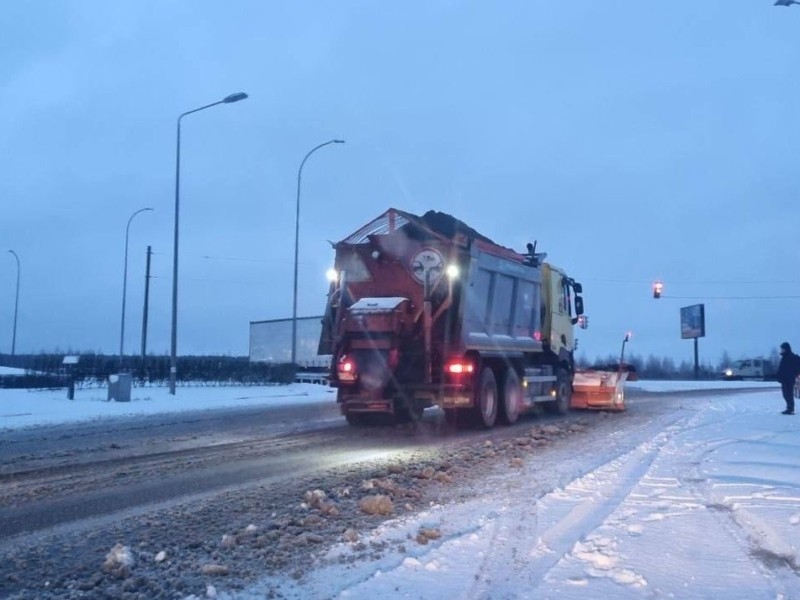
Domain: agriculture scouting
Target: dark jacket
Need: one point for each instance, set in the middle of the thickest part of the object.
(789, 368)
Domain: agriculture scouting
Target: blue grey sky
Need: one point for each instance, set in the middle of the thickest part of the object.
(634, 140)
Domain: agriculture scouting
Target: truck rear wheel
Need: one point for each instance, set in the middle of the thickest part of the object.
(511, 398)
(563, 399)
(356, 419)
(486, 399)
(408, 410)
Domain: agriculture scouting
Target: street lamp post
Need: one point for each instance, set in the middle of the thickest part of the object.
(297, 244)
(173, 368)
(625, 340)
(125, 285)
(16, 308)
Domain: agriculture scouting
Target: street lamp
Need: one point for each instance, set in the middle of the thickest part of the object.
(297, 244)
(173, 368)
(16, 308)
(625, 340)
(125, 285)
(785, 2)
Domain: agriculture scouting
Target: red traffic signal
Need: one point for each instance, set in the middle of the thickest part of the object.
(658, 287)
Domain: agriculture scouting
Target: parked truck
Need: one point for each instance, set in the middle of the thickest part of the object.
(426, 311)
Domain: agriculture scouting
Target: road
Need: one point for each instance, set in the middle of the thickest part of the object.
(64, 484)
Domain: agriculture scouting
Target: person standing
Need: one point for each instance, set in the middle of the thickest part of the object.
(788, 370)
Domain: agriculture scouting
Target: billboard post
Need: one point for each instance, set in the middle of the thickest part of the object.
(693, 326)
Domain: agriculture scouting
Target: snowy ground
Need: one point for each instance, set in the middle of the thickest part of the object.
(707, 507)
(22, 408)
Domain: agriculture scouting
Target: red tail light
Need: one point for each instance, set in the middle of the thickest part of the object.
(459, 367)
(346, 369)
(394, 358)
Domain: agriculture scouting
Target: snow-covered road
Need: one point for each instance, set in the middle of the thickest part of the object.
(706, 506)
(689, 494)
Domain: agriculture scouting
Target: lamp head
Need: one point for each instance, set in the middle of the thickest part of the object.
(234, 97)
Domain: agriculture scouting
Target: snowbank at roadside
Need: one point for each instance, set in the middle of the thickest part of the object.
(687, 386)
(11, 371)
(23, 408)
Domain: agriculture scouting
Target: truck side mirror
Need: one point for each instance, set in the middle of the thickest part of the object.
(577, 287)
(578, 305)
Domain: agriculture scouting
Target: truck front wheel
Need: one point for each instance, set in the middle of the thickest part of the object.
(486, 399)
(563, 393)
(356, 419)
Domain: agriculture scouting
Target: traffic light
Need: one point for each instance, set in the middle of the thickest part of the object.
(658, 287)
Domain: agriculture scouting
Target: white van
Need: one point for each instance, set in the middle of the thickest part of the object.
(748, 368)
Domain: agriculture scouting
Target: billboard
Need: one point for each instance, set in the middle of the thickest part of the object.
(693, 321)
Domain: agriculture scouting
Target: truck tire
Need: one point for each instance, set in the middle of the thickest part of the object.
(561, 404)
(356, 419)
(486, 399)
(452, 417)
(511, 397)
(408, 411)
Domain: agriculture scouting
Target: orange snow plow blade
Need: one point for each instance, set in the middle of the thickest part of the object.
(599, 390)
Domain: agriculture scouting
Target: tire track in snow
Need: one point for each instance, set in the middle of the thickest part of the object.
(560, 522)
(677, 489)
(733, 497)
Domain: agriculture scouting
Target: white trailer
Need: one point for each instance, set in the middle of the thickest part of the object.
(271, 342)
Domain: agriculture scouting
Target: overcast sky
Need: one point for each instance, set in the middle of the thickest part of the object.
(634, 140)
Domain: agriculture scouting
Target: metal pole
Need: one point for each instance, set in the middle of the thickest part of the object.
(173, 362)
(696, 361)
(297, 244)
(16, 308)
(125, 285)
(146, 307)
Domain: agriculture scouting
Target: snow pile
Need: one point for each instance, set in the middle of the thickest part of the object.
(119, 561)
(376, 505)
(214, 569)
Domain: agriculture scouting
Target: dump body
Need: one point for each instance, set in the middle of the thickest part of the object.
(425, 311)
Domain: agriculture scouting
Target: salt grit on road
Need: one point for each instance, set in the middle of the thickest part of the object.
(708, 507)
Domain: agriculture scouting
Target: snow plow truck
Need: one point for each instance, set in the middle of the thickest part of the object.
(426, 311)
